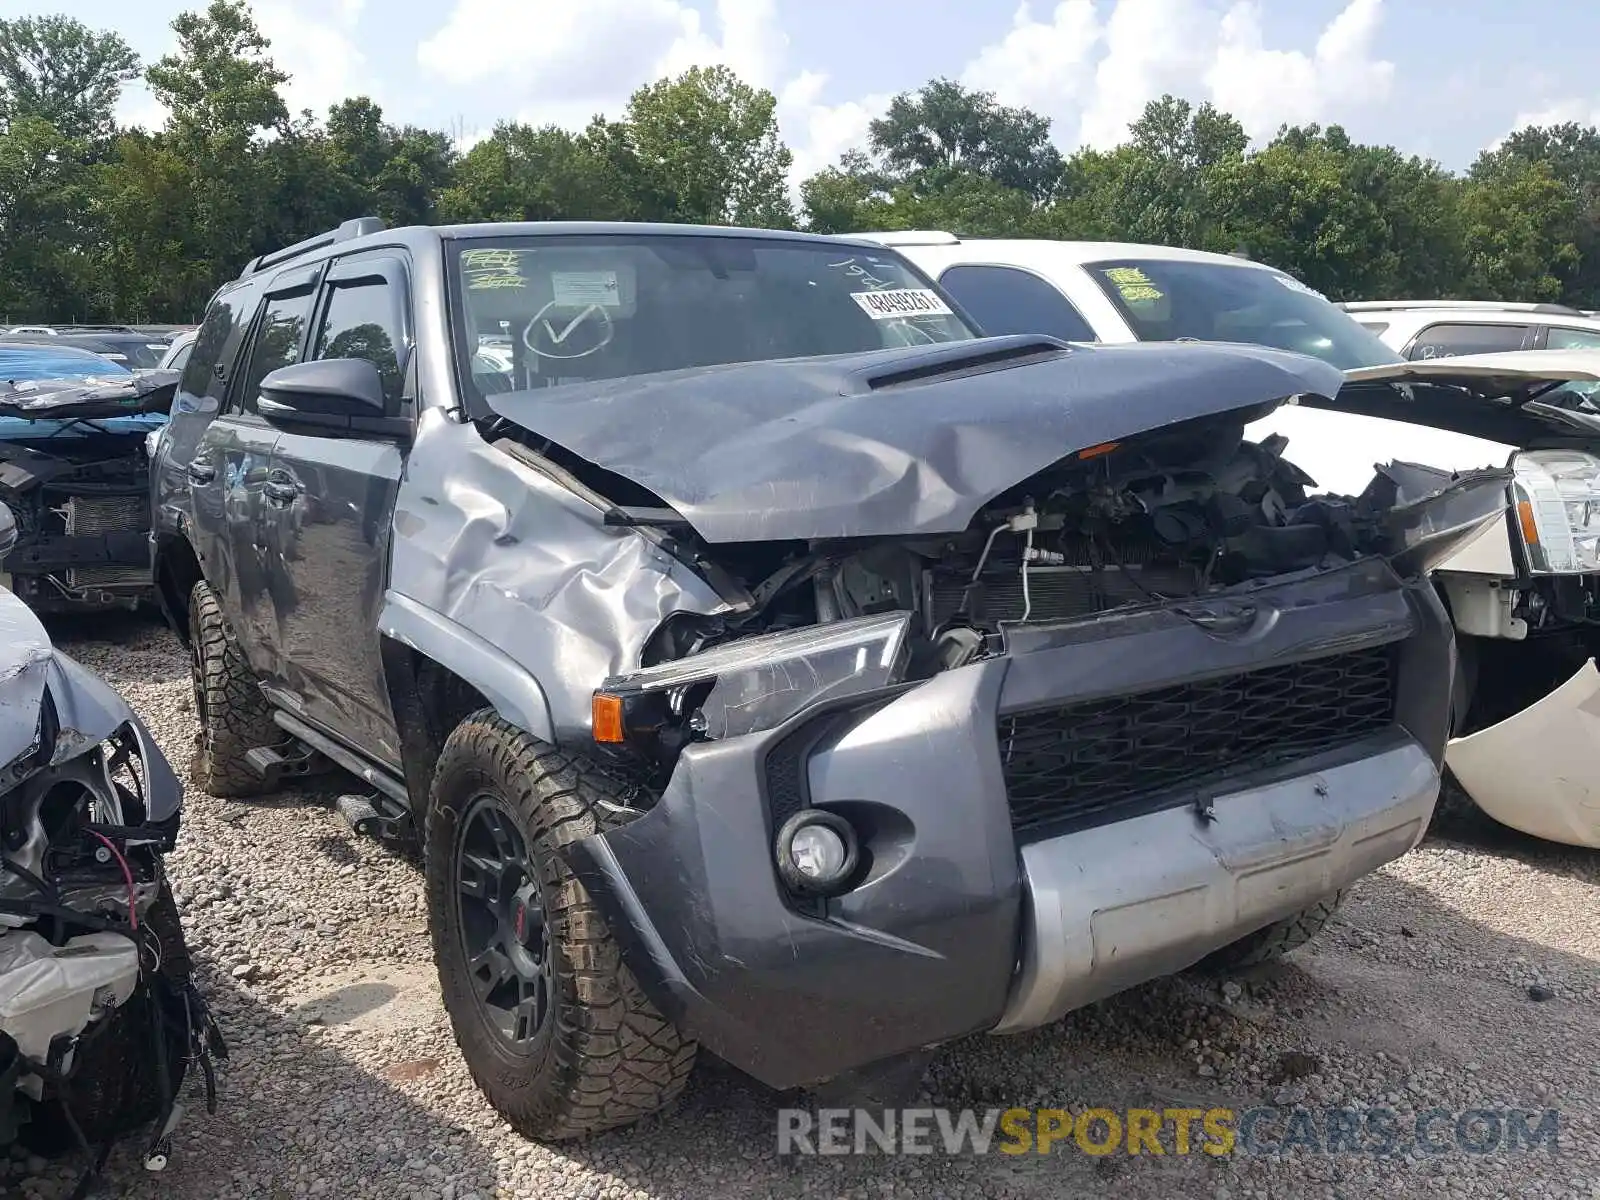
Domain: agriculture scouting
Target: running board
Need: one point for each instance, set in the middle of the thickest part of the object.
(348, 759)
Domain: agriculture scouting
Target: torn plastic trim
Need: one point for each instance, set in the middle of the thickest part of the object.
(1425, 532)
(1536, 771)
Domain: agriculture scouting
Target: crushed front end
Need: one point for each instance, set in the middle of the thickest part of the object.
(1152, 700)
(99, 1019)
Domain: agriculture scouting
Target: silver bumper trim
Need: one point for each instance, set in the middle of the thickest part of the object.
(1114, 906)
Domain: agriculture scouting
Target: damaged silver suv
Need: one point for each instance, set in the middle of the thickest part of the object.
(767, 663)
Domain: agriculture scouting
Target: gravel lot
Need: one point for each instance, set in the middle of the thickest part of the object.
(345, 1081)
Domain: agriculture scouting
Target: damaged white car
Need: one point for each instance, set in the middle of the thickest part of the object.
(1524, 597)
(99, 1019)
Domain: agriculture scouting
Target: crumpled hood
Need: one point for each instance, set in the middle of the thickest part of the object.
(90, 399)
(86, 710)
(894, 442)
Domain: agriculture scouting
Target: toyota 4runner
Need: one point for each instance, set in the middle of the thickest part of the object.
(766, 663)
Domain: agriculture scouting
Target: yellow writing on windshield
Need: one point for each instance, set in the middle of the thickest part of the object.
(484, 269)
(1133, 284)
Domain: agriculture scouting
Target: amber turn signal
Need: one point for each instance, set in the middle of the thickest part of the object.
(606, 716)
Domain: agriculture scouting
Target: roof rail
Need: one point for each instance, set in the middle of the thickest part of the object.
(1465, 305)
(353, 228)
(911, 237)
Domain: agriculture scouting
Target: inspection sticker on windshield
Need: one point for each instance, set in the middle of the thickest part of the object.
(583, 288)
(901, 302)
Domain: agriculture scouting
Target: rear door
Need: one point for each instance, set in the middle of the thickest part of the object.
(330, 500)
(228, 473)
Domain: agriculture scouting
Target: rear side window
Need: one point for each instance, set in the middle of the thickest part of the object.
(279, 335)
(1008, 300)
(362, 320)
(181, 358)
(1447, 340)
(217, 348)
(1561, 338)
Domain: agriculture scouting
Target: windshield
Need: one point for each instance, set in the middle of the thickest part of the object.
(1170, 300)
(546, 311)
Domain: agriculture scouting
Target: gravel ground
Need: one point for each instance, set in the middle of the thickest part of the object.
(1465, 976)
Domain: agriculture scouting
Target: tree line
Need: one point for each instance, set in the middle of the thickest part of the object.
(104, 223)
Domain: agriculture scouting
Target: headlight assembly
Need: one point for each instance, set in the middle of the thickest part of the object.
(753, 684)
(1557, 496)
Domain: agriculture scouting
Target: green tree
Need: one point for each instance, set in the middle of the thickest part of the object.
(1571, 154)
(708, 142)
(1521, 226)
(520, 173)
(395, 173)
(220, 81)
(943, 129)
(44, 199)
(57, 69)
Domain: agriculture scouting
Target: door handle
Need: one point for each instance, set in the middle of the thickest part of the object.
(200, 471)
(280, 489)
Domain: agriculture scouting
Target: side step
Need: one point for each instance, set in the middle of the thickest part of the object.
(376, 816)
(292, 761)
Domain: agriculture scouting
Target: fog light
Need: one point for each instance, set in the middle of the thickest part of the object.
(816, 852)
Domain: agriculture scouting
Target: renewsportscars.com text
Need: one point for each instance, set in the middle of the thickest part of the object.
(1166, 1131)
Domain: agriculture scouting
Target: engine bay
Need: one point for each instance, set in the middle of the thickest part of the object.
(82, 509)
(1167, 516)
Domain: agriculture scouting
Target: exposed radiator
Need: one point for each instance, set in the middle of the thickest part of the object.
(94, 516)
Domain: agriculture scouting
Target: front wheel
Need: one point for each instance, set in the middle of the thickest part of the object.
(553, 1027)
(233, 715)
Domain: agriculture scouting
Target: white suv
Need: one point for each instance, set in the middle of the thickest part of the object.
(1418, 329)
(1524, 595)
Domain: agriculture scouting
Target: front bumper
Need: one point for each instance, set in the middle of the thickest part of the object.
(964, 924)
(1539, 771)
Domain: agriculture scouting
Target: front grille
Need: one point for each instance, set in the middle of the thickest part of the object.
(95, 516)
(1087, 761)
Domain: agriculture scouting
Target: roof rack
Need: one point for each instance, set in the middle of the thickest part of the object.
(353, 228)
(911, 237)
(1562, 310)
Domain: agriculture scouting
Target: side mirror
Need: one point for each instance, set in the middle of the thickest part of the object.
(330, 395)
(8, 530)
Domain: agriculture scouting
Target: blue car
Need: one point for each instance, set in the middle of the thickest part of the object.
(74, 471)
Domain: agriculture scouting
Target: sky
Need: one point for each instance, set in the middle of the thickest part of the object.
(1441, 78)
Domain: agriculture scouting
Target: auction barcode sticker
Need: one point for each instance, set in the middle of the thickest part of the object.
(901, 302)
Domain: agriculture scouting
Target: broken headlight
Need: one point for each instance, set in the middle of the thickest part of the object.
(750, 685)
(1558, 510)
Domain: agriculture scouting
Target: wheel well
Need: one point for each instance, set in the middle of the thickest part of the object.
(428, 701)
(177, 571)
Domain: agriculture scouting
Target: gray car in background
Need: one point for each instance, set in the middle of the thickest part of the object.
(765, 662)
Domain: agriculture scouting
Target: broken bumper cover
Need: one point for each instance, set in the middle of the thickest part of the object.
(1539, 771)
(962, 923)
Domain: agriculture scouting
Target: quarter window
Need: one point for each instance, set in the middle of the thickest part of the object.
(1573, 339)
(1008, 300)
(1446, 341)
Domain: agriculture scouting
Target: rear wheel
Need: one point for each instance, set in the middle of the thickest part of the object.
(234, 716)
(1276, 940)
(553, 1027)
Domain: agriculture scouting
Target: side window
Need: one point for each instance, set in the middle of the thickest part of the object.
(1445, 341)
(216, 349)
(181, 358)
(279, 335)
(1006, 300)
(1561, 338)
(362, 320)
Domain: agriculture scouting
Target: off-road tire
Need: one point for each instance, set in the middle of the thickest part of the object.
(1276, 940)
(234, 717)
(114, 1090)
(610, 1058)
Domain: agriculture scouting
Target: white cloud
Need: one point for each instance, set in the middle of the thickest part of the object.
(818, 133)
(1265, 88)
(1043, 65)
(1584, 112)
(1152, 47)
